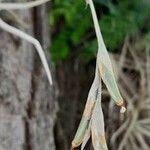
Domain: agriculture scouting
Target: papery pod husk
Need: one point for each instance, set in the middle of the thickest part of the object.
(97, 125)
(83, 126)
(84, 123)
(110, 82)
(105, 70)
(104, 60)
(80, 132)
(86, 136)
(97, 145)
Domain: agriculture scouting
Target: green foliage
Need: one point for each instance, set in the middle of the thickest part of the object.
(89, 50)
(127, 17)
(74, 25)
(74, 22)
(60, 48)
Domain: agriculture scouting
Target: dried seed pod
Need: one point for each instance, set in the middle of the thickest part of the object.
(86, 136)
(80, 132)
(97, 125)
(103, 70)
(109, 79)
(84, 123)
(103, 60)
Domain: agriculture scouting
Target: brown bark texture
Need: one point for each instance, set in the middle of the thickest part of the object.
(27, 101)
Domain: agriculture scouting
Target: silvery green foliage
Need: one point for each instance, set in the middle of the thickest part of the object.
(26, 5)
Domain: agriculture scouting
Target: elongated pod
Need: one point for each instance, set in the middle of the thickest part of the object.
(97, 125)
(103, 70)
(84, 123)
(104, 63)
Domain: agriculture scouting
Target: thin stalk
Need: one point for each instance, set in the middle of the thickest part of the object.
(32, 40)
(25, 5)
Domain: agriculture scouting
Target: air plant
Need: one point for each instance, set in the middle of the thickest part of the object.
(134, 133)
(21, 34)
(92, 122)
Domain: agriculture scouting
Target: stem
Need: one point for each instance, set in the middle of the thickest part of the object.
(30, 39)
(25, 5)
(96, 24)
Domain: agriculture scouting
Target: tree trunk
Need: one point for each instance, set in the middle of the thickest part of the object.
(27, 102)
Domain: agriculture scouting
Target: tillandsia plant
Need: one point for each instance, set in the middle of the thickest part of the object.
(13, 6)
(92, 122)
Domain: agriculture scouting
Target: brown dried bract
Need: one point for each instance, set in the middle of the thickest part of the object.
(74, 145)
(120, 103)
(88, 108)
(102, 139)
(101, 70)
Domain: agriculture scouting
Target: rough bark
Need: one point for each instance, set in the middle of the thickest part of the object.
(27, 102)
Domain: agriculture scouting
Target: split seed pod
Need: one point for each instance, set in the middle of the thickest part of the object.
(93, 116)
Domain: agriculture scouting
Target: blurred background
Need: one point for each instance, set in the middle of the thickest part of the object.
(39, 117)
